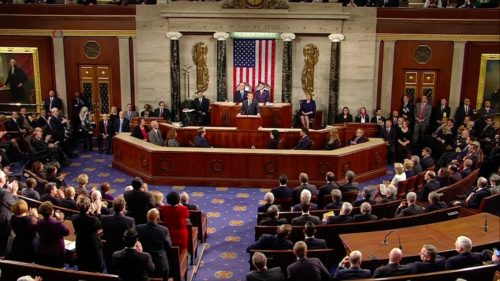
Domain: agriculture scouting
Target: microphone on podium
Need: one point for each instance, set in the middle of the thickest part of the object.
(485, 226)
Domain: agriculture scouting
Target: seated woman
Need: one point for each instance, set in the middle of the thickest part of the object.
(363, 116)
(408, 165)
(148, 111)
(175, 217)
(53, 176)
(141, 131)
(23, 224)
(171, 138)
(274, 139)
(51, 232)
(105, 188)
(307, 110)
(333, 140)
(399, 175)
(344, 116)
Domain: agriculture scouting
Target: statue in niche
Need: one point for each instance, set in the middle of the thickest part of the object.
(199, 53)
(311, 56)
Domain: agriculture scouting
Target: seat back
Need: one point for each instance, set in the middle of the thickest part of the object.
(410, 184)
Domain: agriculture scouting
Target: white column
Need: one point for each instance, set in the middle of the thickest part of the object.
(387, 72)
(123, 50)
(60, 69)
(456, 75)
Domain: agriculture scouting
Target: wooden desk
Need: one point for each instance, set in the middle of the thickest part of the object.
(248, 122)
(242, 167)
(442, 235)
(277, 115)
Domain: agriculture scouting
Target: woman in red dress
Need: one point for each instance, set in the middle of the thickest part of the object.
(175, 217)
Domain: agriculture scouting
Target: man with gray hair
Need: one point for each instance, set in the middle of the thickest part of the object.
(350, 267)
(434, 202)
(154, 135)
(365, 215)
(409, 208)
(417, 168)
(185, 201)
(336, 200)
(495, 184)
(465, 258)
(393, 268)
(305, 198)
(261, 271)
(344, 215)
(476, 196)
(269, 199)
(430, 260)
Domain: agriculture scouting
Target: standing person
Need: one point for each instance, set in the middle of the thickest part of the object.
(201, 106)
(105, 133)
(440, 111)
(307, 110)
(155, 240)
(87, 126)
(7, 200)
(250, 106)
(121, 124)
(131, 263)
(57, 125)
(23, 224)
(305, 268)
(403, 147)
(162, 111)
(88, 244)
(406, 109)
(422, 116)
(51, 231)
(138, 201)
(388, 133)
(462, 111)
(52, 101)
(77, 104)
(16, 79)
(174, 216)
(131, 113)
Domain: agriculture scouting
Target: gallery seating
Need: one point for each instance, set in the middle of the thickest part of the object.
(199, 219)
(284, 258)
(488, 205)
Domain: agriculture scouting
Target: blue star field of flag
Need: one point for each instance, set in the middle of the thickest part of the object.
(244, 53)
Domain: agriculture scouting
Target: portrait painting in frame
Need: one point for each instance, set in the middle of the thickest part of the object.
(19, 78)
(489, 80)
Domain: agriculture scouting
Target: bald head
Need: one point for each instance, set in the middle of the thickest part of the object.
(300, 249)
(259, 260)
(355, 258)
(153, 215)
(395, 255)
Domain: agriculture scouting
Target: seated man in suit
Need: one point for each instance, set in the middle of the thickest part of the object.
(250, 106)
(185, 201)
(199, 140)
(261, 272)
(241, 94)
(344, 215)
(354, 271)
(409, 208)
(274, 242)
(282, 191)
(367, 195)
(351, 185)
(426, 161)
(305, 268)
(434, 202)
(393, 268)
(430, 260)
(365, 215)
(312, 242)
(305, 142)
(476, 196)
(273, 217)
(305, 198)
(121, 124)
(465, 258)
(154, 136)
(49, 149)
(305, 217)
(269, 199)
(359, 137)
(430, 184)
(131, 263)
(261, 93)
(162, 111)
(326, 189)
(336, 200)
(304, 184)
(69, 201)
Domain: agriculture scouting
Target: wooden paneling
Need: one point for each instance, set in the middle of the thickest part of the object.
(472, 61)
(74, 56)
(441, 62)
(438, 21)
(242, 167)
(277, 116)
(45, 55)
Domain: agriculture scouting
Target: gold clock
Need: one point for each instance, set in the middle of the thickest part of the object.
(92, 49)
(254, 3)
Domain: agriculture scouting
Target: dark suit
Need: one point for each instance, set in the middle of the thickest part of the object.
(351, 273)
(434, 207)
(273, 221)
(105, 130)
(349, 187)
(439, 113)
(69, 204)
(310, 269)
(315, 243)
(56, 102)
(325, 190)
(138, 205)
(238, 97)
(137, 133)
(250, 109)
(426, 162)
(392, 269)
(270, 242)
(339, 219)
(282, 192)
(334, 205)
(409, 211)
(165, 114)
(88, 243)
(6, 201)
(300, 221)
(355, 140)
(296, 192)
(200, 141)
(427, 188)
(263, 208)
(364, 217)
(56, 128)
(460, 114)
(114, 226)
(273, 274)
(13, 80)
(389, 136)
(407, 110)
(305, 143)
(477, 197)
(262, 96)
(426, 266)
(155, 239)
(132, 265)
(125, 125)
(464, 260)
(201, 110)
(298, 208)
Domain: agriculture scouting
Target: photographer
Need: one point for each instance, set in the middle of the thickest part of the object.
(87, 127)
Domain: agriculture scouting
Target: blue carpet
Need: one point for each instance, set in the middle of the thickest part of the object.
(231, 214)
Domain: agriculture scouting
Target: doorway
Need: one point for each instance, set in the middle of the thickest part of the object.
(418, 83)
(95, 88)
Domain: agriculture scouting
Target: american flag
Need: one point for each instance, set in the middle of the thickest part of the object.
(254, 62)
